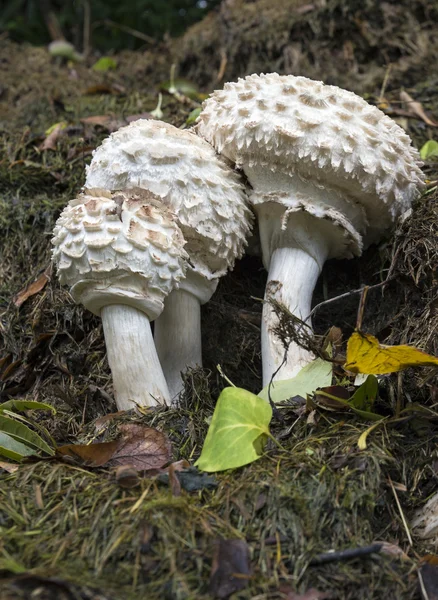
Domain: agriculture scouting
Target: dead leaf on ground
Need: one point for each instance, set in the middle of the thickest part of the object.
(429, 576)
(33, 288)
(140, 447)
(392, 550)
(231, 569)
(51, 141)
(8, 467)
(109, 122)
(127, 477)
(104, 89)
(311, 594)
(416, 109)
(102, 423)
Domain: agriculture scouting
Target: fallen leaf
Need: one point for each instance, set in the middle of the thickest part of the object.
(231, 569)
(416, 108)
(366, 355)
(362, 441)
(142, 447)
(127, 477)
(108, 122)
(315, 375)
(311, 594)
(238, 430)
(191, 479)
(429, 150)
(331, 397)
(392, 550)
(92, 455)
(53, 134)
(102, 423)
(102, 89)
(429, 576)
(105, 63)
(8, 467)
(34, 288)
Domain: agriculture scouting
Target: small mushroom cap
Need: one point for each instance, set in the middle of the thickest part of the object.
(196, 184)
(321, 133)
(119, 248)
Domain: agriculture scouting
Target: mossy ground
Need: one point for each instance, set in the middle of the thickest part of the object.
(317, 493)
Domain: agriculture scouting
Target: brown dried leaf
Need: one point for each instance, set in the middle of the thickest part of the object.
(311, 594)
(92, 455)
(34, 288)
(429, 576)
(103, 89)
(330, 403)
(108, 122)
(8, 467)
(231, 569)
(51, 140)
(416, 108)
(127, 477)
(141, 448)
(144, 448)
(102, 423)
(392, 550)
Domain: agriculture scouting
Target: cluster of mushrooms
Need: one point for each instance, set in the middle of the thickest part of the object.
(166, 212)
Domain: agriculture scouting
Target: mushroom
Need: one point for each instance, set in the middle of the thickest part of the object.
(330, 174)
(211, 208)
(122, 253)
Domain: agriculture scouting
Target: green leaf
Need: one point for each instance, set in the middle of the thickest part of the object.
(21, 405)
(238, 430)
(105, 63)
(316, 374)
(22, 433)
(193, 116)
(429, 149)
(12, 449)
(363, 398)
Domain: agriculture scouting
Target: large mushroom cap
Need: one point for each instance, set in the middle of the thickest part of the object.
(119, 248)
(302, 128)
(185, 171)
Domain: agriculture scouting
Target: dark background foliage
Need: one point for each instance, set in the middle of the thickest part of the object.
(31, 20)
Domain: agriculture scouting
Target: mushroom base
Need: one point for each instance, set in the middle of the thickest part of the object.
(137, 374)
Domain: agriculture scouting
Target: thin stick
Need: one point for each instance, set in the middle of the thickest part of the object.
(361, 309)
(408, 533)
(87, 28)
(350, 293)
(326, 557)
(133, 32)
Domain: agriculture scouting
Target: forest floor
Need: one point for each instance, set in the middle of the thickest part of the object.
(264, 531)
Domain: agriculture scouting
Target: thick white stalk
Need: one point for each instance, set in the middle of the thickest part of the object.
(292, 277)
(137, 374)
(177, 334)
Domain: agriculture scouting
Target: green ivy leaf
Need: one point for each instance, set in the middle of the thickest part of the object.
(105, 63)
(238, 429)
(23, 434)
(429, 149)
(317, 374)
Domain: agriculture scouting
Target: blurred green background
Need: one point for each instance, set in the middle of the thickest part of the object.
(32, 20)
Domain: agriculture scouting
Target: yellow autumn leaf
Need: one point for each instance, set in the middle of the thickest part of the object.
(366, 355)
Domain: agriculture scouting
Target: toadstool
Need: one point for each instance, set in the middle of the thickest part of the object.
(330, 173)
(211, 208)
(121, 254)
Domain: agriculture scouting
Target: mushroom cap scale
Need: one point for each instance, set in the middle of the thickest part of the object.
(120, 248)
(186, 173)
(300, 127)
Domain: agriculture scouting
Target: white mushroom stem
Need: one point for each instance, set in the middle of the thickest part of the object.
(177, 331)
(177, 334)
(293, 273)
(137, 374)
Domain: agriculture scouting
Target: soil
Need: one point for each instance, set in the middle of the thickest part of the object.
(70, 531)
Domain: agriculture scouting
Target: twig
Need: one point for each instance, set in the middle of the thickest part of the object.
(133, 32)
(87, 28)
(408, 533)
(350, 293)
(361, 309)
(385, 83)
(326, 557)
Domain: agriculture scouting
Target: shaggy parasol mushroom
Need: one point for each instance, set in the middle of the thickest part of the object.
(122, 254)
(211, 208)
(330, 173)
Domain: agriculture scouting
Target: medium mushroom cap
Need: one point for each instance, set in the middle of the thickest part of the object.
(185, 171)
(319, 135)
(119, 248)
